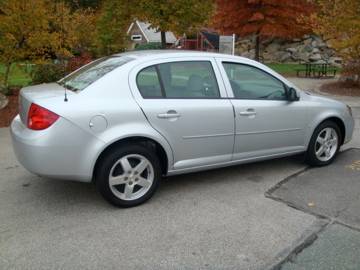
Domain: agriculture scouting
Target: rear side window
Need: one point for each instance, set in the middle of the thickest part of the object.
(248, 82)
(148, 83)
(186, 79)
(87, 75)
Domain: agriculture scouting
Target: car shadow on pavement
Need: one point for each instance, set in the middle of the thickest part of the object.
(57, 193)
(259, 173)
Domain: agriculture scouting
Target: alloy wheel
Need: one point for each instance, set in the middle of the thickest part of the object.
(327, 144)
(131, 177)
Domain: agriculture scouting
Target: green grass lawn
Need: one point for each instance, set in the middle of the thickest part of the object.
(288, 70)
(18, 76)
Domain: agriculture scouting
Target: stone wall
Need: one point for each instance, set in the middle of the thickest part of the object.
(310, 48)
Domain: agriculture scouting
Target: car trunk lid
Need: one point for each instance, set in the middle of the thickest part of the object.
(32, 94)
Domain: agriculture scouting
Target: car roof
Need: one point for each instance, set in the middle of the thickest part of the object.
(145, 55)
(170, 53)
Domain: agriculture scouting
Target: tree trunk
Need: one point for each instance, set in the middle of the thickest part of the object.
(163, 40)
(257, 47)
(6, 76)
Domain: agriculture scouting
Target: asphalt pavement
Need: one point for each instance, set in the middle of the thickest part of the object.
(221, 219)
(212, 220)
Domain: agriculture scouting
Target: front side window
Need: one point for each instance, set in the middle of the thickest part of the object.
(189, 79)
(248, 82)
(87, 75)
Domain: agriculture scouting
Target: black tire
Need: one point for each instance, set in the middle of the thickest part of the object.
(310, 156)
(112, 157)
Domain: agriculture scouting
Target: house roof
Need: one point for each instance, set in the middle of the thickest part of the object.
(151, 34)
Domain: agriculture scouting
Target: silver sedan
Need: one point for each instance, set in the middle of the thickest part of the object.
(126, 120)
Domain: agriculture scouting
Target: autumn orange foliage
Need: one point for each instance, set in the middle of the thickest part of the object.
(262, 18)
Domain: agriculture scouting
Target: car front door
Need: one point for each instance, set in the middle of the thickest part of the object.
(185, 101)
(266, 122)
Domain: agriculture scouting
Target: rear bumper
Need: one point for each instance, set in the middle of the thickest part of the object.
(63, 151)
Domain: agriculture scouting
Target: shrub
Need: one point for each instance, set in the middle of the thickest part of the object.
(4, 90)
(78, 61)
(351, 71)
(148, 46)
(47, 73)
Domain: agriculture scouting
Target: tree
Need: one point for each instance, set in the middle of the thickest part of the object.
(24, 32)
(84, 29)
(179, 16)
(84, 4)
(338, 21)
(262, 18)
(113, 22)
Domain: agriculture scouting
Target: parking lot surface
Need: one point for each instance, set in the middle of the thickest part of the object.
(212, 220)
(332, 191)
(337, 247)
(218, 219)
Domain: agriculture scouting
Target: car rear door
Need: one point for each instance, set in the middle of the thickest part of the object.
(266, 122)
(185, 100)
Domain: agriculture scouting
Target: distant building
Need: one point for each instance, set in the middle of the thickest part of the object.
(206, 40)
(142, 33)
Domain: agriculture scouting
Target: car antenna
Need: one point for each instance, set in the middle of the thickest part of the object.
(65, 96)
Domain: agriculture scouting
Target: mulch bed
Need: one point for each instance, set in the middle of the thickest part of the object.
(341, 89)
(8, 113)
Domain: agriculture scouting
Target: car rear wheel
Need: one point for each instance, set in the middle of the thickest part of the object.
(324, 144)
(128, 175)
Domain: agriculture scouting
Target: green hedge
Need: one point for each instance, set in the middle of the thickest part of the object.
(148, 46)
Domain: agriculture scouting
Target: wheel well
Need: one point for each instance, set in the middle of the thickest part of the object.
(149, 143)
(340, 124)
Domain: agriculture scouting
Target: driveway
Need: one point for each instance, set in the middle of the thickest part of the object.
(211, 220)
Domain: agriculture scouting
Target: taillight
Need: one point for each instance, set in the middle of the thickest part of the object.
(40, 118)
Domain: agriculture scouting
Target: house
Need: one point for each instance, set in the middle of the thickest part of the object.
(142, 33)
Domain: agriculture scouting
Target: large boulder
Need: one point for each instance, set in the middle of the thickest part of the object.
(250, 54)
(3, 101)
(291, 50)
(300, 57)
(279, 56)
(272, 48)
(315, 57)
(305, 48)
(336, 61)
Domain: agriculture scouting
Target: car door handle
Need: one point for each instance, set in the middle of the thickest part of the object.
(169, 114)
(248, 112)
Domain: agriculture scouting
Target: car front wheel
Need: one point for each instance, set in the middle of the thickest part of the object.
(324, 144)
(128, 175)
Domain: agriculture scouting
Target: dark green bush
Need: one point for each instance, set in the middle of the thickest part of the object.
(5, 90)
(47, 73)
(148, 46)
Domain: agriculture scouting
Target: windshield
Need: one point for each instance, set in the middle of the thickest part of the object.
(88, 74)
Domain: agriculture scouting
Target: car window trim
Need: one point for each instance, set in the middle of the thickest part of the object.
(160, 82)
(163, 92)
(272, 76)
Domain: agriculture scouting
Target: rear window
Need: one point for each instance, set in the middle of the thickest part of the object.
(90, 73)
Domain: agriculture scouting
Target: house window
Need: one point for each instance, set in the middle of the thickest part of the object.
(136, 37)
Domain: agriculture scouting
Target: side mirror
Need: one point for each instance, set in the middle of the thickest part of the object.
(292, 94)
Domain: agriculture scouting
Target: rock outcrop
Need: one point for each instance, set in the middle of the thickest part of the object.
(310, 48)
